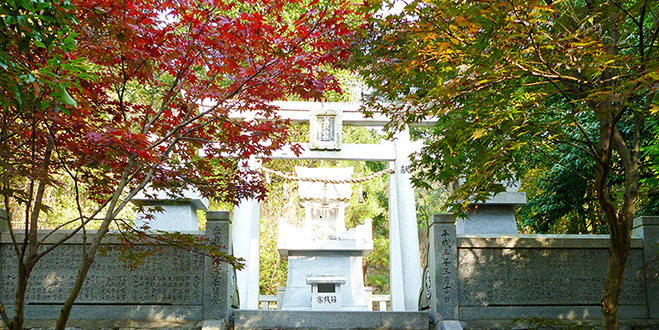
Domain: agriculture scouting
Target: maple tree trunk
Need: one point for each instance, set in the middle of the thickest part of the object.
(65, 312)
(618, 252)
(613, 284)
(3, 313)
(88, 256)
(613, 279)
(19, 301)
(88, 260)
(619, 221)
(26, 264)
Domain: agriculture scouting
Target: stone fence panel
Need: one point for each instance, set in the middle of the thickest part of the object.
(171, 283)
(504, 277)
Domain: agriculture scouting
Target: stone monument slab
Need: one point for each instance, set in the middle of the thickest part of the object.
(441, 284)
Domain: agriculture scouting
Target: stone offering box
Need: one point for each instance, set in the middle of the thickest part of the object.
(326, 292)
(174, 285)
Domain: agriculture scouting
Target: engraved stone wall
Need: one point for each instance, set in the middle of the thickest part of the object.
(174, 277)
(542, 276)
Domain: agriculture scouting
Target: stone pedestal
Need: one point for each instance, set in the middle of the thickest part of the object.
(309, 259)
(304, 266)
(648, 229)
(178, 214)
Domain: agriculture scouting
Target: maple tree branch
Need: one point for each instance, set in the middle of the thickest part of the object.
(12, 234)
(4, 136)
(641, 34)
(194, 103)
(132, 193)
(543, 82)
(561, 163)
(174, 88)
(653, 38)
(554, 74)
(36, 209)
(122, 90)
(17, 132)
(69, 235)
(551, 76)
(52, 246)
(30, 200)
(90, 251)
(577, 144)
(447, 31)
(74, 177)
(589, 143)
(639, 22)
(5, 317)
(639, 119)
(629, 158)
(80, 212)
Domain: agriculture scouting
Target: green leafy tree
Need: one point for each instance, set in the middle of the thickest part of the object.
(509, 78)
(561, 192)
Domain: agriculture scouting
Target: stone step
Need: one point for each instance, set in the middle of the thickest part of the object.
(261, 320)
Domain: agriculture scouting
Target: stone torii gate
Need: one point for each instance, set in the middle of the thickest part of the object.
(325, 121)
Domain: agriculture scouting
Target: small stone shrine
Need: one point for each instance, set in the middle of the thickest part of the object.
(494, 216)
(177, 213)
(324, 259)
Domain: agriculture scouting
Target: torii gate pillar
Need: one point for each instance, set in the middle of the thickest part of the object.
(246, 220)
(405, 263)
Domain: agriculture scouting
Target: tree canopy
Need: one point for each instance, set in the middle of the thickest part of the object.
(511, 80)
(118, 95)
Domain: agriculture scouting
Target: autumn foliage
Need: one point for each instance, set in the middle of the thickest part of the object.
(121, 95)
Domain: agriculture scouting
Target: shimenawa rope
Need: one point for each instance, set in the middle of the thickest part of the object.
(326, 180)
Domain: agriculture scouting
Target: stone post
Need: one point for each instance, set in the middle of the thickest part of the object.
(648, 229)
(442, 284)
(218, 277)
(4, 220)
